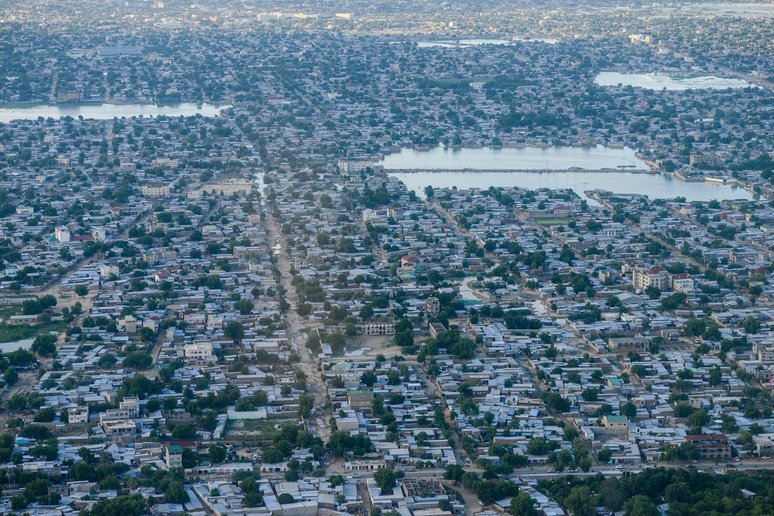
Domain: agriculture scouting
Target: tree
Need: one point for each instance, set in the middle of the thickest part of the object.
(245, 306)
(522, 505)
(386, 479)
(217, 453)
(137, 360)
(184, 431)
(36, 489)
(175, 493)
(454, 472)
(604, 455)
(285, 498)
(629, 410)
(653, 292)
(368, 378)
(44, 345)
(234, 331)
(539, 446)
(751, 324)
(590, 394)
(640, 505)
(305, 404)
(580, 501)
(82, 290)
(715, 376)
(698, 419)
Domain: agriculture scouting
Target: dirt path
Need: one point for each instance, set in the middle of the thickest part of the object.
(295, 327)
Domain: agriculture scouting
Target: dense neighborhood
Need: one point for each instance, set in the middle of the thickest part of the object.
(246, 313)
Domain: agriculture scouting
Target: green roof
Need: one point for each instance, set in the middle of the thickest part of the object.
(616, 419)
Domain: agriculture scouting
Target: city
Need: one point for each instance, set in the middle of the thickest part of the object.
(377, 258)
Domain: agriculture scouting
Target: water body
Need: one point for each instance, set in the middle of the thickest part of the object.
(442, 168)
(464, 43)
(663, 81)
(523, 158)
(107, 111)
(653, 185)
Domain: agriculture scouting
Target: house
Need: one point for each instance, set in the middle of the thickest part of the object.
(173, 456)
(712, 447)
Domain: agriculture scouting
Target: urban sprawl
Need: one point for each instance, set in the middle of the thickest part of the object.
(244, 312)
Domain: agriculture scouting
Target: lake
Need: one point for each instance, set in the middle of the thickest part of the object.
(508, 158)
(508, 168)
(464, 43)
(663, 81)
(655, 186)
(107, 111)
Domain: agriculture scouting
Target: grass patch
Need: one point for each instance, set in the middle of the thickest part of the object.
(13, 332)
(8, 311)
(552, 222)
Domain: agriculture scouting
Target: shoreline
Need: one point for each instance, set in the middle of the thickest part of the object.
(517, 170)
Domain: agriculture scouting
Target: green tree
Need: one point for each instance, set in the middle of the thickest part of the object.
(216, 453)
(368, 378)
(640, 505)
(175, 493)
(234, 331)
(386, 479)
(522, 505)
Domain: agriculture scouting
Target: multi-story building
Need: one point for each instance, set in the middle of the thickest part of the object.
(683, 283)
(712, 447)
(199, 352)
(62, 234)
(173, 456)
(653, 277)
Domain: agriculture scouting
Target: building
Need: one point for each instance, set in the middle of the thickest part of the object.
(437, 329)
(432, 306)
(628, 343)
(155, 190)
(62, 234)
(653, 277)
(131, 406)
(99, 234)
(615, 423)
(354, 166)
(765, 352)
(713, 447)
(683, 283)
(119, 429)
(378, 329)
(78, 415)
(360, 399)
(173, 456)
(199, 352)
(764, 445)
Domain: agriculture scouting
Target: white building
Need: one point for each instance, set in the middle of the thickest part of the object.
(78, 415)
(653, 277)
(62, 234)
(99, 234)
(683, 283)
(156, 190)
(199, 353)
